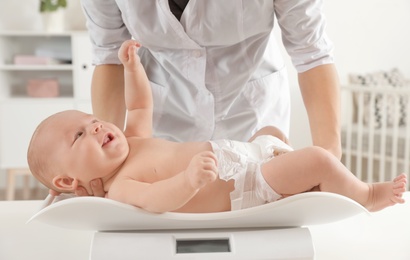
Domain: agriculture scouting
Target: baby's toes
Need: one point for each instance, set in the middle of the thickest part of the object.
(401, 178)
(398, 199)
(399, 187)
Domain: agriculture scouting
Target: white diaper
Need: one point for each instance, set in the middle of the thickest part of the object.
(241, 162)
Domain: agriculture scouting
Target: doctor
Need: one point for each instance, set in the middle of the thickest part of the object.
(215, 67)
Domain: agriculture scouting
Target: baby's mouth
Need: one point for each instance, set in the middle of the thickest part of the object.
(107, 139)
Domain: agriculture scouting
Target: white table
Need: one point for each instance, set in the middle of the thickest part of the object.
(384, 235)
(19, 241)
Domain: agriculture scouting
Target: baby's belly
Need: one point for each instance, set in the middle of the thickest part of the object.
(214, 197)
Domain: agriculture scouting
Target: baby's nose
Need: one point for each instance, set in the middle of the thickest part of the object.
(96, 127)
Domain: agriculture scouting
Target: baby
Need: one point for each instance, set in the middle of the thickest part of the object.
(71, 148)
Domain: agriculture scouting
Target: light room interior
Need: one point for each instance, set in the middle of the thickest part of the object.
(372, 55)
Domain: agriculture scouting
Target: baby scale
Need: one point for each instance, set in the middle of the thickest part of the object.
(277, 230)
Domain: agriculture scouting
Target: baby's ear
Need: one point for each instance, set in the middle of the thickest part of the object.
(65, 183)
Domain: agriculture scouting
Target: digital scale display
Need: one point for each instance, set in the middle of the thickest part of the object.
(203, 246)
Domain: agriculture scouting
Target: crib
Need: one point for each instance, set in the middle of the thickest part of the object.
(376, 130)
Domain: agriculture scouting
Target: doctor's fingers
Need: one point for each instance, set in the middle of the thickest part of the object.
(97, 189)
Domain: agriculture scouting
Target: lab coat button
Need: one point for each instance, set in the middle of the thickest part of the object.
(197, 54)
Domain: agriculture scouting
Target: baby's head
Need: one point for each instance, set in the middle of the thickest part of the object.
(71, 148)
(40, 156)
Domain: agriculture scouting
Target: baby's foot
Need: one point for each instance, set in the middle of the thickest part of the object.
(385, 194)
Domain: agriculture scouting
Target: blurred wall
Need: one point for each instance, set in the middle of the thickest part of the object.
(25, 15)
(369, 35)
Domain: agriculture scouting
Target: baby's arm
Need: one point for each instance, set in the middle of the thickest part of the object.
(138, 96)
(169, 194)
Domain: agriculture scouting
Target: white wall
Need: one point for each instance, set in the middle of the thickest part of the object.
(369, 35)
(24, 15)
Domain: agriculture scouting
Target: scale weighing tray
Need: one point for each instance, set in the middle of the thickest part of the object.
(272, 231)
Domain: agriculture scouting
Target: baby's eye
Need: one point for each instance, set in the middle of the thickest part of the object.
(78, 135)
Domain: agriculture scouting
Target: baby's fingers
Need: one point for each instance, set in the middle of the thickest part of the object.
(210, 156)
(128, 50)
(132, 51)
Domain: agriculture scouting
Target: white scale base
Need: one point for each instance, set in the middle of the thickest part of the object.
(271, 231)
(255, 244)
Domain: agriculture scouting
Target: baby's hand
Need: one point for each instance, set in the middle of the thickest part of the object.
(128, 55)
(202, 169)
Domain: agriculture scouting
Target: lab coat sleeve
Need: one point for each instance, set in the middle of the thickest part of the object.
(302, 24)
(106, 29)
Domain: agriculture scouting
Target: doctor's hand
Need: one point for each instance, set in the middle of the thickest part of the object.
(202, 169)
(96, 187)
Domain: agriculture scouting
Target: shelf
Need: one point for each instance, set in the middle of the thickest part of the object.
(35, 100)
(20, 113)
(59, 67)
(40, 33)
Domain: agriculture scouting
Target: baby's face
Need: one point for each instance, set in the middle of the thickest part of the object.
(85, 147)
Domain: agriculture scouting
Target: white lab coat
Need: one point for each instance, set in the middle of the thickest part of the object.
(218, 72)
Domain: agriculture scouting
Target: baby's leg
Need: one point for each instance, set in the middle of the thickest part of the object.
(314, 167)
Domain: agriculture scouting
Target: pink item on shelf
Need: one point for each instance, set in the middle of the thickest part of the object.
(32, 60)
(43, 88)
